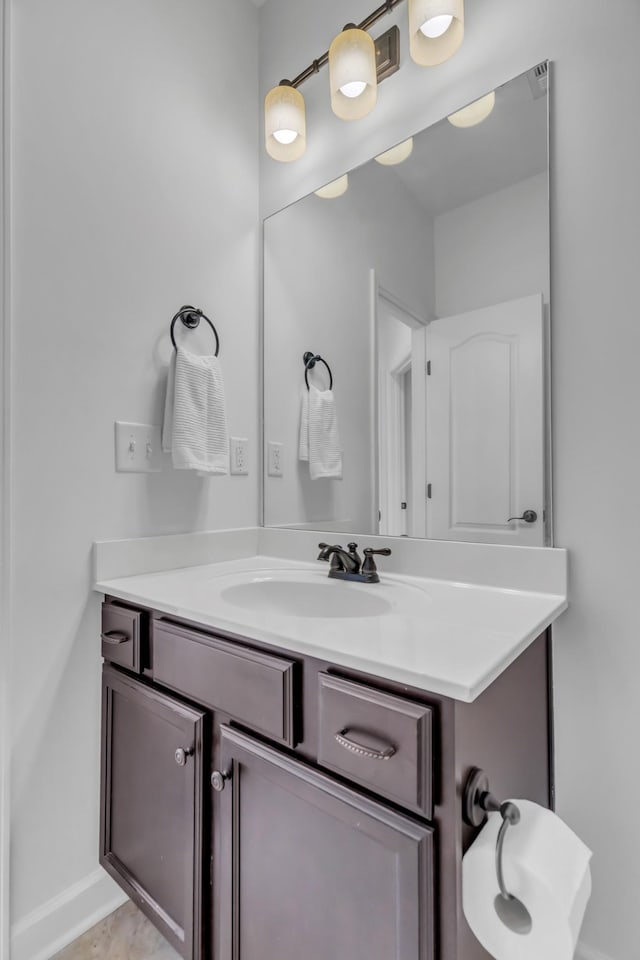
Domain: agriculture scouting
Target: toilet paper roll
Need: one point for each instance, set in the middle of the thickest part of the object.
(546, 866)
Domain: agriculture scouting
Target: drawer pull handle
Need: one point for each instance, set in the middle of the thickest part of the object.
(183, 755)
(115, 636)
(349, 744)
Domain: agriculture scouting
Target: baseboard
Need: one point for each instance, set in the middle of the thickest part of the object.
(57, 923)
(585, 952)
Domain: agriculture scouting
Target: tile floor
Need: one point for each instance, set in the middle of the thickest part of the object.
(124, 935)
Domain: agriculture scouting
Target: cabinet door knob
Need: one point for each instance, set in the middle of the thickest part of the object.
(183, 755)
(218, 780)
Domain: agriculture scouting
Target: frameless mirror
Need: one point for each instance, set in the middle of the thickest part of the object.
(422, 281)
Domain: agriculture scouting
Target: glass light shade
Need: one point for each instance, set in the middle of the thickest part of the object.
(475, 113)
(285, 125)
(334, 189)
(436, 30)
(397, 154)
(352, 74)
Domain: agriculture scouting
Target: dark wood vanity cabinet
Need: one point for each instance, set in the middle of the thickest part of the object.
(263, 806)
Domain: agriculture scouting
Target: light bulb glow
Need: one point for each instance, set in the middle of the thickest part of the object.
(285, 136)
(396, 154)
(475, 112)
(352, 74)
(334, 189)
(436, 30)
(285, 125)
(353, 89)
(436, 26)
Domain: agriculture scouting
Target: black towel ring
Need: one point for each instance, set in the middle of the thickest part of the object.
(310, 360)
(190, 317)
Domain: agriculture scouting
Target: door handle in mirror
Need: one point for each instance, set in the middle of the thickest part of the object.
(529, 516)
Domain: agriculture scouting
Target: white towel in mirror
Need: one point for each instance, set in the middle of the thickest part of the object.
(319, 435)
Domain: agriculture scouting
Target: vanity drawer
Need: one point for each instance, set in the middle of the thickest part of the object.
(121, 629)
(256, 689)
(377, 740)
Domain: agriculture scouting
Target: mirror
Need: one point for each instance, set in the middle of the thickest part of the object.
(424, 287)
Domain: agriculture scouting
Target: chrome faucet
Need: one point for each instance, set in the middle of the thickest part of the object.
(348, 564)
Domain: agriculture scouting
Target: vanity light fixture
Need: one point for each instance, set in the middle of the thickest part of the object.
(475, 112)
(334, 189)
(436, 30)
(285, 122)
(357, 64)
(397, 154)
(352, 73)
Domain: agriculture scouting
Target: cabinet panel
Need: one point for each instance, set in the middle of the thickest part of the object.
(309, 868)
(379, 740)
(151, 838)
(253, 687)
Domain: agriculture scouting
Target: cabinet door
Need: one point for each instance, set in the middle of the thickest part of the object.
(310, 868)
(151, 805)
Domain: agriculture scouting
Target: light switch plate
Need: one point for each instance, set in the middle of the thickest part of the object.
(238, 450)
(138, 448)
(274, 459)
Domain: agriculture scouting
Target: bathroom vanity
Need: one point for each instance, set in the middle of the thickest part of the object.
(260, 802)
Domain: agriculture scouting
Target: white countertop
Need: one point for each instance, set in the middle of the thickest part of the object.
(455, 641)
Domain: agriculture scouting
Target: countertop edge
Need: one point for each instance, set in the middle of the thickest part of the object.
(429, 684)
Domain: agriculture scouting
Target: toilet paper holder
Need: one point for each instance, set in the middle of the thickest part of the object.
(477, 802)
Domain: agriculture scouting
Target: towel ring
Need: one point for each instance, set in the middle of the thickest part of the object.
(310, 360)
(190, 317)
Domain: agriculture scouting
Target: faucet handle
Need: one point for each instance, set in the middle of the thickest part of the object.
(324, 551)
(369, 566)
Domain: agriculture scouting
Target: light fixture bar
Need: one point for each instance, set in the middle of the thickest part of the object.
(366, 24)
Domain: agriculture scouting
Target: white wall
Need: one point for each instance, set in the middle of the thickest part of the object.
(5, 506)
(595, 209)
(494, 249)
(318, 260)
(134, 190)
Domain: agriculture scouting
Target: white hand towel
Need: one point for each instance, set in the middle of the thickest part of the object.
(303, 446)
(198, 434)
(325, 452)
(169, 401)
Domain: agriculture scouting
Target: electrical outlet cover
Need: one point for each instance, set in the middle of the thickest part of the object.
(238, 447)
(274, 459)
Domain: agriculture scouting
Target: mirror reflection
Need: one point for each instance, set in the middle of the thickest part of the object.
(421, 282)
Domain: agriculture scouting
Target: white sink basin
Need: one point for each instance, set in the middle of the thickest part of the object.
(334, 598)
(315, 595)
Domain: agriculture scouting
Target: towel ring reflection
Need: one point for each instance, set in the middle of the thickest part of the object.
(190, 317)
(310, 359)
